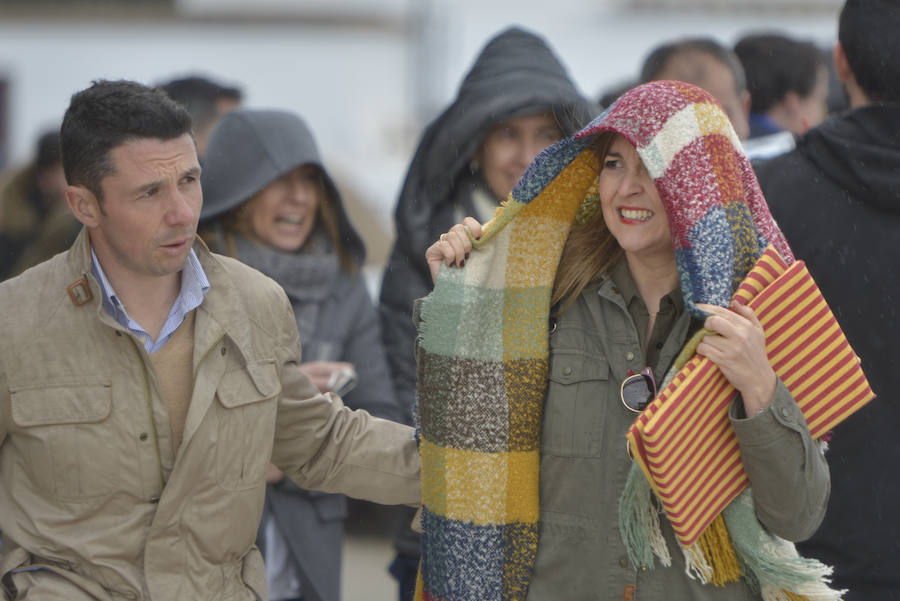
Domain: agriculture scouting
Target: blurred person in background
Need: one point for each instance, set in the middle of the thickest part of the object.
(707, 64)
(35, 222)
(206, 100)
(612, 93)
(837, 199)
(516, 100)
(270, 203)
(788, 84)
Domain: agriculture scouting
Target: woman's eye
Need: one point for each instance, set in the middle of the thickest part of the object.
(612, 163)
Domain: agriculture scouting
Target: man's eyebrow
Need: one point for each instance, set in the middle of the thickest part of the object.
(148, 186)
(195, 171)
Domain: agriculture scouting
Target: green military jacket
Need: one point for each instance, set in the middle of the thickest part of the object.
(584, 464)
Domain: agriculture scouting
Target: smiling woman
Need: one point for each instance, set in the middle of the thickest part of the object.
(620, 244)
(270, 203)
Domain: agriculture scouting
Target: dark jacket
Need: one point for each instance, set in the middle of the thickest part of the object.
(515, 75)
(837, 199)
(31, 231)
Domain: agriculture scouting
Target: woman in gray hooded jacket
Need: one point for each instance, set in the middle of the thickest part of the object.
(269, 202)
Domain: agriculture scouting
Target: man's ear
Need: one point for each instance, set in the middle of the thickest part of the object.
(841, 64)
(84, 205)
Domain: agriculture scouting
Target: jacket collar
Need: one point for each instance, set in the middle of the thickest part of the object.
(222, 311)
(223, 307)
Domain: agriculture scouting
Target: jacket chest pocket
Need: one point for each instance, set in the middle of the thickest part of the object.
(246, 416)
(66, 439)
(576, 400)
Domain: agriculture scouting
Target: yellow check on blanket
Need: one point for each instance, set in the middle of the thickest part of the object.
(684, 441)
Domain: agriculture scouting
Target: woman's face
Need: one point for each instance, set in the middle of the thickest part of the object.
(283, 213)
(631, 206)
(510, 147)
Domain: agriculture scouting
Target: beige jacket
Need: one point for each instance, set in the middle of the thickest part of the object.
(93, 505)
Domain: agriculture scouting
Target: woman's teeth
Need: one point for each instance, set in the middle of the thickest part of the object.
(636, 214)
(291, 220)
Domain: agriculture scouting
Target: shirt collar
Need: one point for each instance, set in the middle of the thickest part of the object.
(194, 286)
(621, 277)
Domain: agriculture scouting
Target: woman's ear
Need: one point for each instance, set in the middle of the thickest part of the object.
(84, 205)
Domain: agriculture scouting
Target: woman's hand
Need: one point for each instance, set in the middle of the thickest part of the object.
(326, 375)
(738, 348)
(453, 247)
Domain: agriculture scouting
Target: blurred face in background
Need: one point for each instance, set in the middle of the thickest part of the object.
(282, 215)
(509, 148)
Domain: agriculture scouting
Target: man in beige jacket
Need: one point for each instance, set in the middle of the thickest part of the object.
(146, 384)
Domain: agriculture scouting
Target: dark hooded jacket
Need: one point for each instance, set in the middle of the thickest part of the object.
(516, 74)
(837, 199)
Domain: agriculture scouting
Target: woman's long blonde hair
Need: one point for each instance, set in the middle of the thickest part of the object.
(590, 248)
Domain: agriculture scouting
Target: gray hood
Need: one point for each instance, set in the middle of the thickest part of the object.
(248, 149)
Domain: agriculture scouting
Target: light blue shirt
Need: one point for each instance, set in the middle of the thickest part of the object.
(194, 286)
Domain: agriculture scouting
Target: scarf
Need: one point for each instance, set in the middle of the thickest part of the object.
(483, 341)
(308, 277)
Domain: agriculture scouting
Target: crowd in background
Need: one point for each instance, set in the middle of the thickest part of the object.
(270, 202)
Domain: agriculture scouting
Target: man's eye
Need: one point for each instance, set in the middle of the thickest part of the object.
(149, 193)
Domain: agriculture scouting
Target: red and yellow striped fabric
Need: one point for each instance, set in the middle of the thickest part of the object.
(684, 442)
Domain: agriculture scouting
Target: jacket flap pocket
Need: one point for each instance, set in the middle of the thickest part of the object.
(570, 366)
(258, 381)
(70, 403)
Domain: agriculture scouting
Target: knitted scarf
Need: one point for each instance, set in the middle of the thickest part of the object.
(483, 337)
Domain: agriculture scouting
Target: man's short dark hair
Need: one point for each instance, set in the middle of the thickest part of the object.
(775, 65)
(869, 31)
(107, 115)
(660, 57)
(200, 96)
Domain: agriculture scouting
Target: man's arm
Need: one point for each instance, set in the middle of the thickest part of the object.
(323, 445)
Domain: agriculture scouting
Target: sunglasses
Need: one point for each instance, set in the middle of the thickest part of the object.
(638, 390)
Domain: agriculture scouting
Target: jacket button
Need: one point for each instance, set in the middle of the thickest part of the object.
(629, 356)
(224, 350)
(623, 562)
(567, 371)
(143, 436)
(118, 333)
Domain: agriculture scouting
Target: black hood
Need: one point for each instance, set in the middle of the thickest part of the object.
(516, 74)
(860, 152)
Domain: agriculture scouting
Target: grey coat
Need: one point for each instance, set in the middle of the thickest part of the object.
(584, 463)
